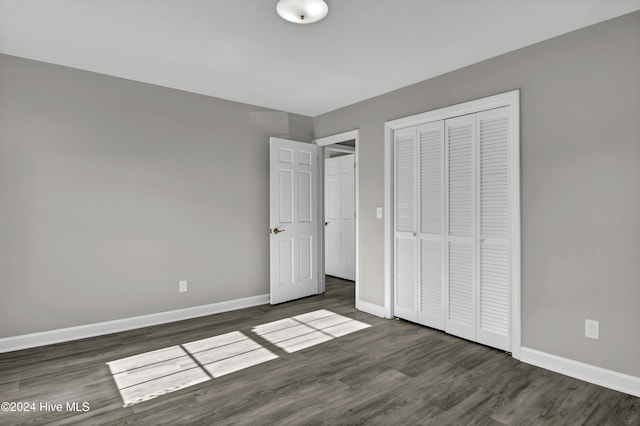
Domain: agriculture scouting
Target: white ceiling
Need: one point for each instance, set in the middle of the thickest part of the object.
(242, 51)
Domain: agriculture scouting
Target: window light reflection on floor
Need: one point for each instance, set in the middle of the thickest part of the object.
(146, 376)
(307, 330)
(227, 353)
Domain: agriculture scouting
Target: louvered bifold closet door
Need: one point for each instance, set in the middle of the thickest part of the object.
(405, 229)
(431, 235)
(460, 307)
(493, 186)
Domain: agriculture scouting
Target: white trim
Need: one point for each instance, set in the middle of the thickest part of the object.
(388, 219)
(370, 308)
(490, 102)
(338, 137)
(516, 253)
(345, 149)
(511, 99)
(323, 142)
(589, 373)
(25, 341)
(320, 214)
(356, 134)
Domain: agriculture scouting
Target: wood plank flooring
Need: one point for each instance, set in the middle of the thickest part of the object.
(391, 373)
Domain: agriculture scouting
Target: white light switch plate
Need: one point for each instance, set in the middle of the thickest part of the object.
(378, 212)
(182, 287)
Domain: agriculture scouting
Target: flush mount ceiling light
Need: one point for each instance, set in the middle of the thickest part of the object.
(302, 11)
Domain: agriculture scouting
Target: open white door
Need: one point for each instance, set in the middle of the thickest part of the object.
(339, 216)
(293, 219)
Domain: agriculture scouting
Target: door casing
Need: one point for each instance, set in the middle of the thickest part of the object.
(323, 142)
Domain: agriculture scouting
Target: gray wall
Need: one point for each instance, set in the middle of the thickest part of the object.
(580, 169)
(112, 191)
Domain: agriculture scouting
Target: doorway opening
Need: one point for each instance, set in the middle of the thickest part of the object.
(338, 208)
(339, 211)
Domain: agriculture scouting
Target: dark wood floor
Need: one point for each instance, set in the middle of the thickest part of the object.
(392, 373)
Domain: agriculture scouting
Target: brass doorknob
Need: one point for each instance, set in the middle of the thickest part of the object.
(277, 231)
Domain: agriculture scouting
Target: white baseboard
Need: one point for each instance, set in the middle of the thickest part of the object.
(370, 308)
(14, 343)
(579, 370)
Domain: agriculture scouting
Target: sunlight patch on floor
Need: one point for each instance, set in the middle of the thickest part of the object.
(307, 330)
(227, 353)
(148, 375)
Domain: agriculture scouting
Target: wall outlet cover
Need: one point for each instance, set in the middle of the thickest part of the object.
(592, 329)
(183, 286)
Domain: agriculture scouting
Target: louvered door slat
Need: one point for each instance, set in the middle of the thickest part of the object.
(405, 192)
(405, 297)
(493, 326)
(431, 139)
(460, 284)
(460, 165)
(494, 290)
(405, 241)
(431, 282)
(460, 318)
(431, 301)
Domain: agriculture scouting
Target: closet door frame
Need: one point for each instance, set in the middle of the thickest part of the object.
(510, 99)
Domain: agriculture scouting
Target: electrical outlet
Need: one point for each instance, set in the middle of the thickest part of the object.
(378, 212)
(182, 286)
(592, 329)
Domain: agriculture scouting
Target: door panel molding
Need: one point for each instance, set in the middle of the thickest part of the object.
(293, 227)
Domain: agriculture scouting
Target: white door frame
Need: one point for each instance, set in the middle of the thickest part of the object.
(322, 142)
(345, 150)
(511, 99)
